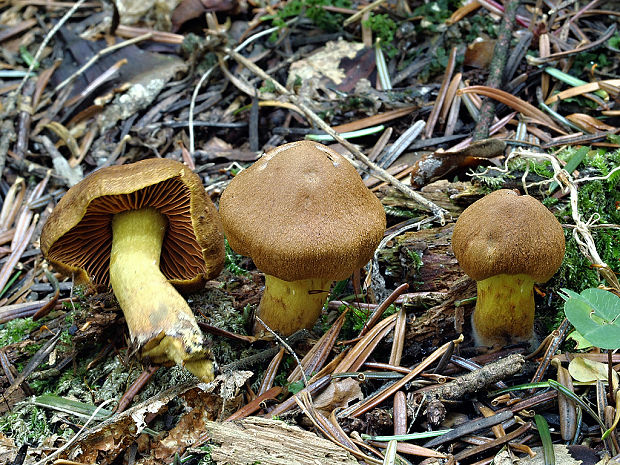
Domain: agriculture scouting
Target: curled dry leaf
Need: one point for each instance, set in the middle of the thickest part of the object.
(190, 9)
(479, 53)
(338, 394)
(589, 123)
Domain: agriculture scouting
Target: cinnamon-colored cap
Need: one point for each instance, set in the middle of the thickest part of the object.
(302, 211)
(508, 233)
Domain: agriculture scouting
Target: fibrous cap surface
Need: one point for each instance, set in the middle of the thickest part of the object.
(508, 233)
(302, 211)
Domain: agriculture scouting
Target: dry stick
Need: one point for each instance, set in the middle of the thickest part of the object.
(478, 380)
(135, 387)
(287, 347)
(47, 38)
(496, 68)
(360, 161)
(25, 114)
(7, 135)
(100, 54)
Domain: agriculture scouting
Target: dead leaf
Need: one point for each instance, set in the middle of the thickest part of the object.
(588, 371)
(479, 53)
(338, 394)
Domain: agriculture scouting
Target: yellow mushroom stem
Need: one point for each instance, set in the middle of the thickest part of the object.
(288, 306)
(504, 310)
(160, 321)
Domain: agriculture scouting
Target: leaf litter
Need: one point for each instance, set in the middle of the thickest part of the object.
(213, 84)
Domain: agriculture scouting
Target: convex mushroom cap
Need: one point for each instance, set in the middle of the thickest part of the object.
(153, 212)
(302, 212)
(512, 240)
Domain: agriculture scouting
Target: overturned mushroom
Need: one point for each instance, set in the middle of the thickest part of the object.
(142, 228)
(507, 242)
(303, 214)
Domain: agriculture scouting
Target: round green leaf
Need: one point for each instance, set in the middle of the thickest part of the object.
(595, 313)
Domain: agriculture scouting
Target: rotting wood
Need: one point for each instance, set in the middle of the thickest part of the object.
(435, 269)
(271, 442)
(445, 320)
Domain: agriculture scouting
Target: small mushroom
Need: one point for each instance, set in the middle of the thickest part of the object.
(143, 228)
(507, 242)
(305, 217)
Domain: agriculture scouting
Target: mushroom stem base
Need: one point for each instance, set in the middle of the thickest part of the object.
(504, 310)
(288, 306)
(160, 322)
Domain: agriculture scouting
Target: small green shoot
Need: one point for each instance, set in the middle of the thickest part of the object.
(10, 283)
(27, 57)
(231, 262)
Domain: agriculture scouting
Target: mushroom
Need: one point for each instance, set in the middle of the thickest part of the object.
(507, 242)
(304, 216)
(143, 228)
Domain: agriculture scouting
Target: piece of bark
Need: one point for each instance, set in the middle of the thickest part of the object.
(443, 321)
(271, 442)
(424, 259)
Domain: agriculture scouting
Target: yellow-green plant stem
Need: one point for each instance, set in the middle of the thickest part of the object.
(288, 306)
(504, 310)
(160, 321)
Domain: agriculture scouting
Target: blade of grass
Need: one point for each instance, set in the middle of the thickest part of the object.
(571, 165)
(405, 437)
(73, 407)
(545, 437)
(572, 80)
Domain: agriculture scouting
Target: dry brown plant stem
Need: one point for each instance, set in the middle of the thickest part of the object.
(360, 161)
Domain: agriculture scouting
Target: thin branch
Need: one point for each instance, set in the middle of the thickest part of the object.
(46, 39)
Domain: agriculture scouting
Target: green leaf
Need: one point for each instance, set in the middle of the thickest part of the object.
(595, 313)
(295, 387)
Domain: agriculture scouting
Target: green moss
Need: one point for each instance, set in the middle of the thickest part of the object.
(435, 13)
(25, 423)
(480, 25)
(384, 29)
(16, 330)
(313, 10)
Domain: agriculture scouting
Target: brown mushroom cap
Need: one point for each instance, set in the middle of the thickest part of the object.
(302, 212)
(77, 238)
(508, 233)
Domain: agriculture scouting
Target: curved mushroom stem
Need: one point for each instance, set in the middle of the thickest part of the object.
(288, 306)
(160, 321)
(504, 310)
